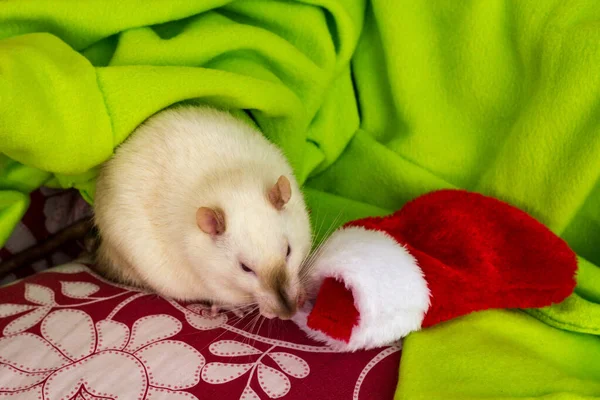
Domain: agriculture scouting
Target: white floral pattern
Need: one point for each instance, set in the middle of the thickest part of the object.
(74, 356)
(273, 382)
(53, 349)
(44, 300)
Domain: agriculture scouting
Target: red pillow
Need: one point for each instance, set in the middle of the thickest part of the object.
(68, 334)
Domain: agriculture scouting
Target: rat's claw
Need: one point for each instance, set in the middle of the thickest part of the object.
(214, 310)
(240, 312)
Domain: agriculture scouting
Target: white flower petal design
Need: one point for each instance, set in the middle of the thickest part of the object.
(197, 308)
(232, 348)
(111, 335)
(78, 290)
(40, 355)
(217, 373)
(6, 310)
(69, 268)
(205, 322)
(71, 331)
(30, 394)
(13, 379)
(249, 394)
(39, 294)
(84, 395)
(165, 394)
(151, 329)
(110, 374)
(274, 383)
(26, 321)
(291, 364)
(163, 372)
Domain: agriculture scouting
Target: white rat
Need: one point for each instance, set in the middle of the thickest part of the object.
(198, 205)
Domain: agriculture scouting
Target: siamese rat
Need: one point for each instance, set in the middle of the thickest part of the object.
(198, 205)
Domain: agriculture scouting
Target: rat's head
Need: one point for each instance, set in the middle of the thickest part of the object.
(259, 235)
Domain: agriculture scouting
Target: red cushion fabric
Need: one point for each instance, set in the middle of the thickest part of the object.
(68, 334)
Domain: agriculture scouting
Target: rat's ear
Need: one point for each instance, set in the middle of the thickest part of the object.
(211, 221)
(280, 193)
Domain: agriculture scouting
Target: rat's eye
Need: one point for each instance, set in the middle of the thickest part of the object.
(245, 268)
(289, 251)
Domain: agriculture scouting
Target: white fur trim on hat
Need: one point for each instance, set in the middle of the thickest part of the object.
(389, 289)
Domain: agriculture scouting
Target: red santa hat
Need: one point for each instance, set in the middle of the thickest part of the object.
(443, 255)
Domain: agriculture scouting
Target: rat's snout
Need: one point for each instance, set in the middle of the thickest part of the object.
(286, 306)
(283, 306)
(283, 295)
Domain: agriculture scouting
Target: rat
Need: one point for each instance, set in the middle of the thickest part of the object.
(198, 205)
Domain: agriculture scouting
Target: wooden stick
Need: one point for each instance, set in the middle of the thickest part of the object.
(43, 249)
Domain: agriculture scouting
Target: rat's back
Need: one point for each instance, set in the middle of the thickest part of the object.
(148, 193)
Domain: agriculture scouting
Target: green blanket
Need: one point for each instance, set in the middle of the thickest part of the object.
(374, 103)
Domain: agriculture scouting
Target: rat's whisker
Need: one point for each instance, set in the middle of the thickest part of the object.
(242, 309)
(323, 238)
(217, 338)
(310, 261)
(314, 235)
(252, 325)
(269, 325)
(262, 321)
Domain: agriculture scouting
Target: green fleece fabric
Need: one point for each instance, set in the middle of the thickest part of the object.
(374, 103)
(504, 354)
(497, 355)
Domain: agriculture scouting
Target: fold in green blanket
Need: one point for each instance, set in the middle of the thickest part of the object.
(374, 104)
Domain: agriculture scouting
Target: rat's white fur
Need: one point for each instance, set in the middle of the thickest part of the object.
(179, 160)
(388, 286)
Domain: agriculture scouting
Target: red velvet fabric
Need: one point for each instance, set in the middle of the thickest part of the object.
(479, 253)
